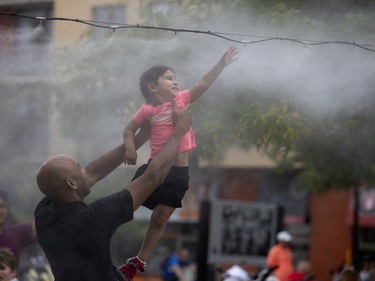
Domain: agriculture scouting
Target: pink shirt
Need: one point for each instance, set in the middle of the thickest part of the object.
(160, 118)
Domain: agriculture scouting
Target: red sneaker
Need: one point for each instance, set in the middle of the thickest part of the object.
(129, 269)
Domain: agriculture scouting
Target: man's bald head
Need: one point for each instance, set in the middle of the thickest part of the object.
(53, 174)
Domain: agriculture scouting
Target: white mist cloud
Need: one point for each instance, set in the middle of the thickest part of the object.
(320, 79)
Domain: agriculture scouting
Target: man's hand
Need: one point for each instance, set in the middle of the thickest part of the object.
(182, 119)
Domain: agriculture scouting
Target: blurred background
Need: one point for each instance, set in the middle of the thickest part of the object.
(285, 135)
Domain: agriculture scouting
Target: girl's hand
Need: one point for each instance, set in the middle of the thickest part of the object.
(229, 56)
(130, 158)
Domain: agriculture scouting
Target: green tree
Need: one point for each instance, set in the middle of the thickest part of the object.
(332, 151)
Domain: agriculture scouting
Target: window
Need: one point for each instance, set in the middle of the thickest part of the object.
(107, 15)
(26, 42)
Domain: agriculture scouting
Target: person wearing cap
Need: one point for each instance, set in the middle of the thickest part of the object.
(236, 273)
(281, 255)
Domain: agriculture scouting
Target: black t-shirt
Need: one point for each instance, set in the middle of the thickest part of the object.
(76, 237)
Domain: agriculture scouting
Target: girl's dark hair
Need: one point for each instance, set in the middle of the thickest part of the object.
(151, 76)
(7, 258)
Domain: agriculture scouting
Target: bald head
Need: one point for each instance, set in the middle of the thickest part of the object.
(53, 174)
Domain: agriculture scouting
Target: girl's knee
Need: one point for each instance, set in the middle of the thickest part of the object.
(161, 214)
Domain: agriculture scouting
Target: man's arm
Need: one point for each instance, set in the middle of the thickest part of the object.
(105, 164)
(272, 257)
(160, 165)
(206, 81)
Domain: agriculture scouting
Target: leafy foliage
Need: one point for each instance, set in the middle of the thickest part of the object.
(335, 152)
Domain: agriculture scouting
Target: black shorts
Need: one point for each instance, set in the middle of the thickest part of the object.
(171, 191)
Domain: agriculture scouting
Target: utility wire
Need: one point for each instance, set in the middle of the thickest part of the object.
(226, 36)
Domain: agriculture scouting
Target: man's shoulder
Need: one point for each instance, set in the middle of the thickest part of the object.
(43, 203)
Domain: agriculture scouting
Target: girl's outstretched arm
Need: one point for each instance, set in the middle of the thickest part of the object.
(206, 81)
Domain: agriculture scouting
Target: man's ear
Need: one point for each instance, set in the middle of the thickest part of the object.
(152, 87)
(71, 183)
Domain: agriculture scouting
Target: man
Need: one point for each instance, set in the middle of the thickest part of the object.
(17, 236)
(76, 237)
(281, 255)
(178, 267)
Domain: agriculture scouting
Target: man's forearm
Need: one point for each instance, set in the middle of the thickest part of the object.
(163, 161)
(206, 81)
(105, 164)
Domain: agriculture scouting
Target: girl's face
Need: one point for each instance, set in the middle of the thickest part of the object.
(167, 87)
(6, 273)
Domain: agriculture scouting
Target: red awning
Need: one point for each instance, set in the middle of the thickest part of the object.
(366, 212)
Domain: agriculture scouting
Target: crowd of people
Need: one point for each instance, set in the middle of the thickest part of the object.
(176, 267)
(282, 266)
